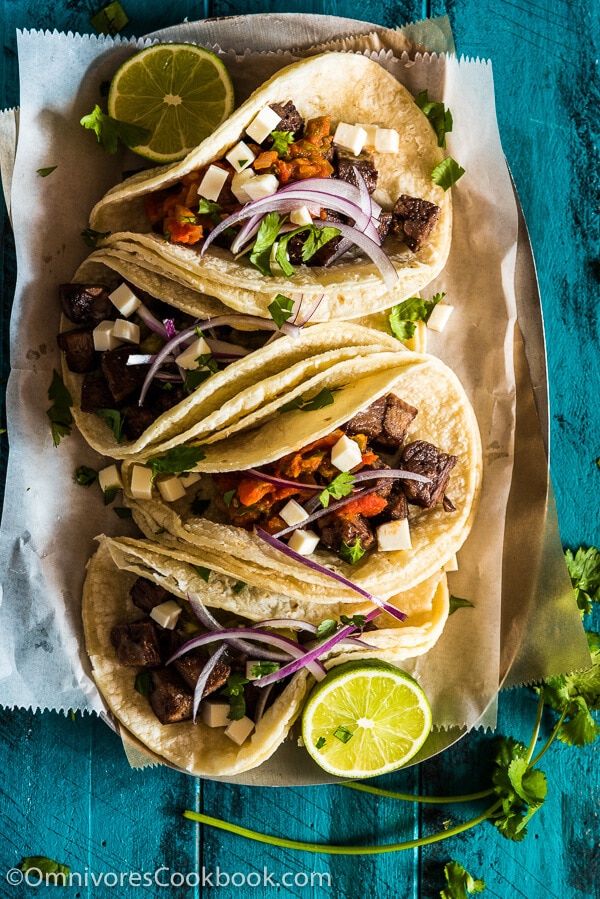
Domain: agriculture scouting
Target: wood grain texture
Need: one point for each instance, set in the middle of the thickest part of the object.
(67, 790)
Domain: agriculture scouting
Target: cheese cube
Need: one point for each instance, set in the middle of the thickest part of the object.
(394, 535)
(451, 564)
(239, 730)
(261, 186)
(104, 338)
(127, 332)
(387, 140)
(371, 131)
(293, 513)
(301, 216)
(351, 137)
(166, 614)
(192, 477)
(261, 125)
(125, 300)
(110, 479)
(250, 665)
(141, 482)
(439, 317)
(189, 358)
(211, 185)
(171, 489)
(238, 183)
(240, 156)
(304, 542)
(214, 712)
(346, 454)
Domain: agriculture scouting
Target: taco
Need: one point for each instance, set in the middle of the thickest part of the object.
(328, 186)
(126, 399)
(142, 606)
(372, 491)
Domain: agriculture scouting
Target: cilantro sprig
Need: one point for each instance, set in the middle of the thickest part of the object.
(584, 571)
(404, 316)
(282, 141)
(234, 692)
(438, 115)
(110, 131)
(340, 486)
(176, 461)
(281, 309)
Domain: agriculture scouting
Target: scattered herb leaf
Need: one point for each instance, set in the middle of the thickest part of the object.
(282, 141)
(351, 553)
(459, 883)
(204, 573)
(323, 398)
(438, 115)
(281, 309)
(195, 378)
(176, 461)
(239, 586)
(358, 621)
(265, 238)
(340, 486)
(228, 496)
(143, 683)
(85, 476)
(342, 733)
(584, 571)
(402, 317)
(43, 173)
(109, 494)
(521, 788)
(61, 419)
(110, 131)
(114, 419)
(122, 511)
(320, 743)
(234, 691)
(457, 603)
(92, 238)
(263, 668)
(327, 628)
(447, 173)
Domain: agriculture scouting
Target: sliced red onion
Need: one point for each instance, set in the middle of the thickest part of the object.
(335, 187)
(246, 233)
(203, 679)
(332, 507)
(161, 356)
(170, 328)
(306, 318)
(208, 621)
(304, 560)
(151, 321)
(262, 324)
(223, 348)
(370, 248)
(397, 473)
(296, 624)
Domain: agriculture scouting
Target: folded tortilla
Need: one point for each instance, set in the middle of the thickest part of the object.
(353, 89)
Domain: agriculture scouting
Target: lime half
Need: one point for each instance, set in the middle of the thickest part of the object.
(180, 92)
(365, 718)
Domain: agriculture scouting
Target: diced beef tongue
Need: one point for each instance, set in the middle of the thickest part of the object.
(136, 644)
(123, 379)
(385, 422)
(146, 594)
(190, 667)
(397, 506)
(291, 120)
(170, 697)
(86, 304)
(95, 393)
(347, 162)
(78, 347)
(413, 220)
(424, 458)
(346, 529)
(384, 223)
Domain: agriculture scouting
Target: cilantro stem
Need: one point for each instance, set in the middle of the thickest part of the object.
(340, 850)
(536, 729)
(550, 739)
(440, 800)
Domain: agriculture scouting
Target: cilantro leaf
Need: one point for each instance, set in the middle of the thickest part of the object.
(61, 419)
(351, 553)
(340, 486)
(265, 238)
(281, 309)
(457, 603)
(208, 207)
(323, 398)
(114, 419)
(195, 378)
(282, 141)
(143, 683)
(521, 788)
(92, 238)
(122, 512)
(327, 628)
(295, 403)
(438, 115)
(260, 669)
(110, 131)
(343, 734)
(447, 173)
(85, 476)
(577, 696)
(234, 691)
(320, 743)
(317, 238)
(111, 19)
(239, 586)
(228, 496)
(459, 882)
(403, 316)
(204, 573)
(176, 461)
(358, 621)
(584, 571)
(43, 173)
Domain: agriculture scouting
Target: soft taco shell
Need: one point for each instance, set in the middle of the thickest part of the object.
(321, 85)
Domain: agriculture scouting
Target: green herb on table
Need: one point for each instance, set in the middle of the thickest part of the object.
(110, 131)
(92, 238)
(86, 476)
(459, 883)
(584, 571)
(43, 173)
(438, 115)
(447, 173)
(61, 419)
(456, 602)
(110, 19)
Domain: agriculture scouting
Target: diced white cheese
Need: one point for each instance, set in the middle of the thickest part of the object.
(346, 454)
(439, 317)
(261, 126)
(239, 730)
(250, 665)
(212, 184)
(351, 137)
(192, 477)
(125, 300)
(304, 542)
(189, 358)
(171, 489)
(166, 614)
(141, 482)
(127, 332)
(451, 564)
(394, 535)
(240, 156)
(104, 338)
(261, 186)
(371, 131)
(387, 140)
(293, 513)
(214, 712)
(301, 216)
(110, 478)
(237, 185)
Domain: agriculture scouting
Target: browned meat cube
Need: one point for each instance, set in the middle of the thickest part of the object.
(346, 529)
(146, 594)
(123, 379)
(413, 220)
(190, 667)
(397, 506)
(170, 697)
(347, 162)
(95, 393)
(78, 347)
(385, 422)
(86, 304)
(291, 120)
(136, 644)
(136, 420)
(426, 459)
(384, 223)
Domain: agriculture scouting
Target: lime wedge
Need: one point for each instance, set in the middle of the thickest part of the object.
(179, 92)
(365, 718)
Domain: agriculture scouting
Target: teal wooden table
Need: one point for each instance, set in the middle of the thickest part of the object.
(67, 791)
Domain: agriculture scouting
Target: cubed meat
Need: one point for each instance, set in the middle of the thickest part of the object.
(347, 162)
(78, 347)
(397, 506)
(95, 393)
(413, 220)
(171, 698)
(136, 644)
(291, 120)
(123, 380)
(160, 399)
(136, 421)
(346, 529)
(191, 665)
(86, 304)
(146, 594)
(385, 422)
(424, 458)
(384, 223)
